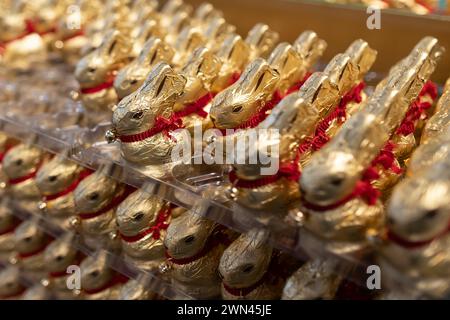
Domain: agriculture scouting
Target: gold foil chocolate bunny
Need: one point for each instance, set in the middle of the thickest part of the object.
(10, 283)
(8, 224)
(264, 84)
(339, 199)
(143, 121)
(142, 220)
(248, 269)
(20, 165)
(30, 244)
(58, 256)
(316, 279)
(416, 249)
(98, 280)
(200, 72)
(96, 72)
(57, 181)
(306, 121)
(435, 136)
(131, 77)
(20, 46)
(96, 198)
(194, 246)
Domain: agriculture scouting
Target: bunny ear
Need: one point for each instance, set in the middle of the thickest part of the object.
(258, 77)
(343, 72)
(189, 39)
(163, 82)
(257, 238)
(262, 39)
(234, 48)
(115, 45)
(154, 51)
(208, 66)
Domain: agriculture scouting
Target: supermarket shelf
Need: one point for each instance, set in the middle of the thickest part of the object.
(154, 282)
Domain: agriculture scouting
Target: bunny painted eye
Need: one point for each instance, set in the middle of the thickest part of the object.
(134, 81)
(189, 239)
(247, 268)
(93, 196)
(336, 181)
(138, 216)
(95, 273)
(91, 70)
(52, 178)
(431, 214)
(19, 162)
(28, 239)
(137, 115)
(59, 258)
(237, 109)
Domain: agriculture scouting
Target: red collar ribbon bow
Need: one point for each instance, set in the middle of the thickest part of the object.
(160, 224)
(102, 86)
(161, 125)
(409, 244)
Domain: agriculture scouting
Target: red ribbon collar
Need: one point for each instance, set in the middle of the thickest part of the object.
(83, 174)
(114, 203)
(11, 229)
(102, 86)
(155, 230)
(161, 125)
(34, 252)
(117, 279)
(79, 33)
(408, 244)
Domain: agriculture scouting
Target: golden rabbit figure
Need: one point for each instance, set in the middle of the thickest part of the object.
(339, 198)
(20, 165)
(30, 244)
(57, 181)
(96, 199)
(248, 270)
(131, 77)
(416, 239)
(143, 121)
(194, 246)
(10, 284)
(96, 72)
(142, 221)
(98, 280)
(58, 256)
(316, 279)
(8, 225)
(263, 84)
